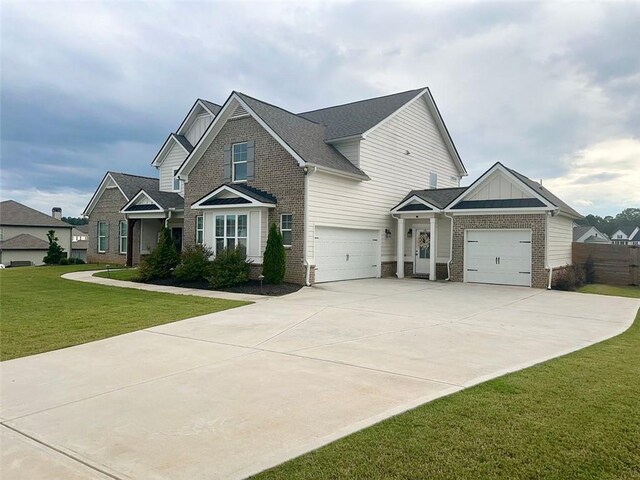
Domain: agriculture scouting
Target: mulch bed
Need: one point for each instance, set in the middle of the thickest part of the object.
(252, 287)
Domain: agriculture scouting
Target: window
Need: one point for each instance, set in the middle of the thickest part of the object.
(123, 237)
(103, 237)
(286, 224)
(239, 162)
(176, 182)
(200, 229)
(433, 180)
(1, 233)
(231, 230)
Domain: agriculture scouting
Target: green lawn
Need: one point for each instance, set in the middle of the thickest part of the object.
(574, 417)
(128, 274)
(39, 311)
(615, 290)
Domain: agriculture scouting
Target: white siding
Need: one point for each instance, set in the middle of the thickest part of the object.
(149, 231)
(498, 187)
(337, 201)
(198, 127)
(63, 234)
(560, 233)
(33, 256)
(258, 219)
(350, 149)
(174, 159)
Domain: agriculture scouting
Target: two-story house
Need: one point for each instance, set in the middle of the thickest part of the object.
(626, 236)
(365, 189)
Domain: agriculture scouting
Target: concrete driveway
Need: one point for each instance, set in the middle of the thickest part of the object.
(229, 394)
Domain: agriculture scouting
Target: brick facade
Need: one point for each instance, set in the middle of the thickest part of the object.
(276, 172)
(535, 222)
(107, 210)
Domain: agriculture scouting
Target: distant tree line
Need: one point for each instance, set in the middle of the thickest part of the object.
(76, 220)
(628, 219)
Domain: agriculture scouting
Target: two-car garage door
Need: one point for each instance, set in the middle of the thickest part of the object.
(498, 256)
(346, 253)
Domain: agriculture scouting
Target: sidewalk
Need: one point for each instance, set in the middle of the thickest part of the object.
(87, 276)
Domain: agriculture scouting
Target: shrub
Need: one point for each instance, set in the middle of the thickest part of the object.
(589, 270)
(162, 260)
(195, 265)
(229, 267)
(55, 253)
(570, 278)
(273, 265)
(65, 261)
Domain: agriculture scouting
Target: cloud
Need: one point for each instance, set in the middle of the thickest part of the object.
(91, 86)
(602, 178)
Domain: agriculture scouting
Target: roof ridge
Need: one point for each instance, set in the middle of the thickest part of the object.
(363, 100)
(278, 107)
(133, 175)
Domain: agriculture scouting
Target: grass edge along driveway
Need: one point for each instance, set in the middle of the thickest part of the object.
(573, 417)
(40, 311)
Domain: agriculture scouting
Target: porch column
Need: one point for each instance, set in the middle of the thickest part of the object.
(433, 249)
(130, 224)
(400, 249)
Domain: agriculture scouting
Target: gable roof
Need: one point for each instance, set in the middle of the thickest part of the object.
(580, 230)
(438, 197)
(546, 194)
(246, 195)
(24, 241)
(213, 107)
(305, 137)
(14, 213)
(128, 184)
(355, 118)
(164, 200)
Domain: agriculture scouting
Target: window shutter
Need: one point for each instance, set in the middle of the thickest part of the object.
(226, 164)
(251, 168)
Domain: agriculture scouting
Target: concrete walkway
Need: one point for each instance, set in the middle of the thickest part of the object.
(229, 394)
(87, 276)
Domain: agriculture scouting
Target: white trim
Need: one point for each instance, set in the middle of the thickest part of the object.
(498, 211)
(339, 173)
(98, 193)
(174, 177)
(253, 202)
(342, 139)
(464, 262)
(198, 229)
(132, 201)
(235, 237)
(502, 169)
(394, 113)
(120, 237)
(198, 102)
(100, 236)
(286, 230)
(164, 150)
(415, 197)
(234, 163)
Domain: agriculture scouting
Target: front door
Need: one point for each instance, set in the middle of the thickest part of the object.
(176, 234)
(423, 251)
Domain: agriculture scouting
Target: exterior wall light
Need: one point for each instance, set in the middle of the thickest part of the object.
(387, 233)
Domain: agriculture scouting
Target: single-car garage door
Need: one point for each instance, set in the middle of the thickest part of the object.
(498, 256)
(346, 253)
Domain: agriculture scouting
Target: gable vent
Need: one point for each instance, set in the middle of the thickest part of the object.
(239, 112)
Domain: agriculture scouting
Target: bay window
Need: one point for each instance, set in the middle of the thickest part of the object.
(231, 231)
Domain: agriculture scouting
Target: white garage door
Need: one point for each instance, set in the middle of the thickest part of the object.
(346, 253)
(498, 256)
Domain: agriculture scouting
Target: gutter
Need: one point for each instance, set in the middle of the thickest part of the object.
(546, 246)
(305, 261)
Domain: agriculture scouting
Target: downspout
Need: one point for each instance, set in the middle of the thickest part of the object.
(450, 247)
(166, 220)
(307, 265)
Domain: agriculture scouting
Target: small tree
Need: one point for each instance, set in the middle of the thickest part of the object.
(195, 265)
(55, 253)
(273, 265)
(162, 260)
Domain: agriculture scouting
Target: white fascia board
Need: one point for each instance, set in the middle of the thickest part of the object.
(500, 211)
(339, 173)
(187, 120)
(255, 204)
(136, 197)
(417, 199)
(501, 168)
(359, 136)
(227, 188)
(98, 193)
(166, 146)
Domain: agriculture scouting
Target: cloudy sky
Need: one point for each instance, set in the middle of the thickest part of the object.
(550, 89)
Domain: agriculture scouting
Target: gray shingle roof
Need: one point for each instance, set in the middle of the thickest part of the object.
(24, 241)
(214, 107)
(183, 141)
(14, 213)
(357, 117)
(546, 194)
(305, 137)
(132, 184)
(82, 228)
(438, 197)
(636, 237)
(259, 195)
(580, 230)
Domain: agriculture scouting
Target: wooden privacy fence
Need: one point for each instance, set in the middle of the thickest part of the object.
(614, 264)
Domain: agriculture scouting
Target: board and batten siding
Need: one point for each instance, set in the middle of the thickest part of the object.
(174, 159)
(560, 238)
(497, 186)
(198, 127)
(341, 202)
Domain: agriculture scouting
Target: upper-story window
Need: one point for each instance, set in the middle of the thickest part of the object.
(176, 181)
(239, 162)
(433, 180)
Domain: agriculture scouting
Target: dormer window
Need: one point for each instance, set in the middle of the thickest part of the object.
(176, 181)
(239, 162)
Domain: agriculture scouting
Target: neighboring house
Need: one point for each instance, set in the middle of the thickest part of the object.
(80, 242)
(365, 189)
(23, 233)
(627, 236)
(589, 234)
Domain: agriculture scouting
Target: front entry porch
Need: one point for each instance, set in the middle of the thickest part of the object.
(143, 233)
(417, 245)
